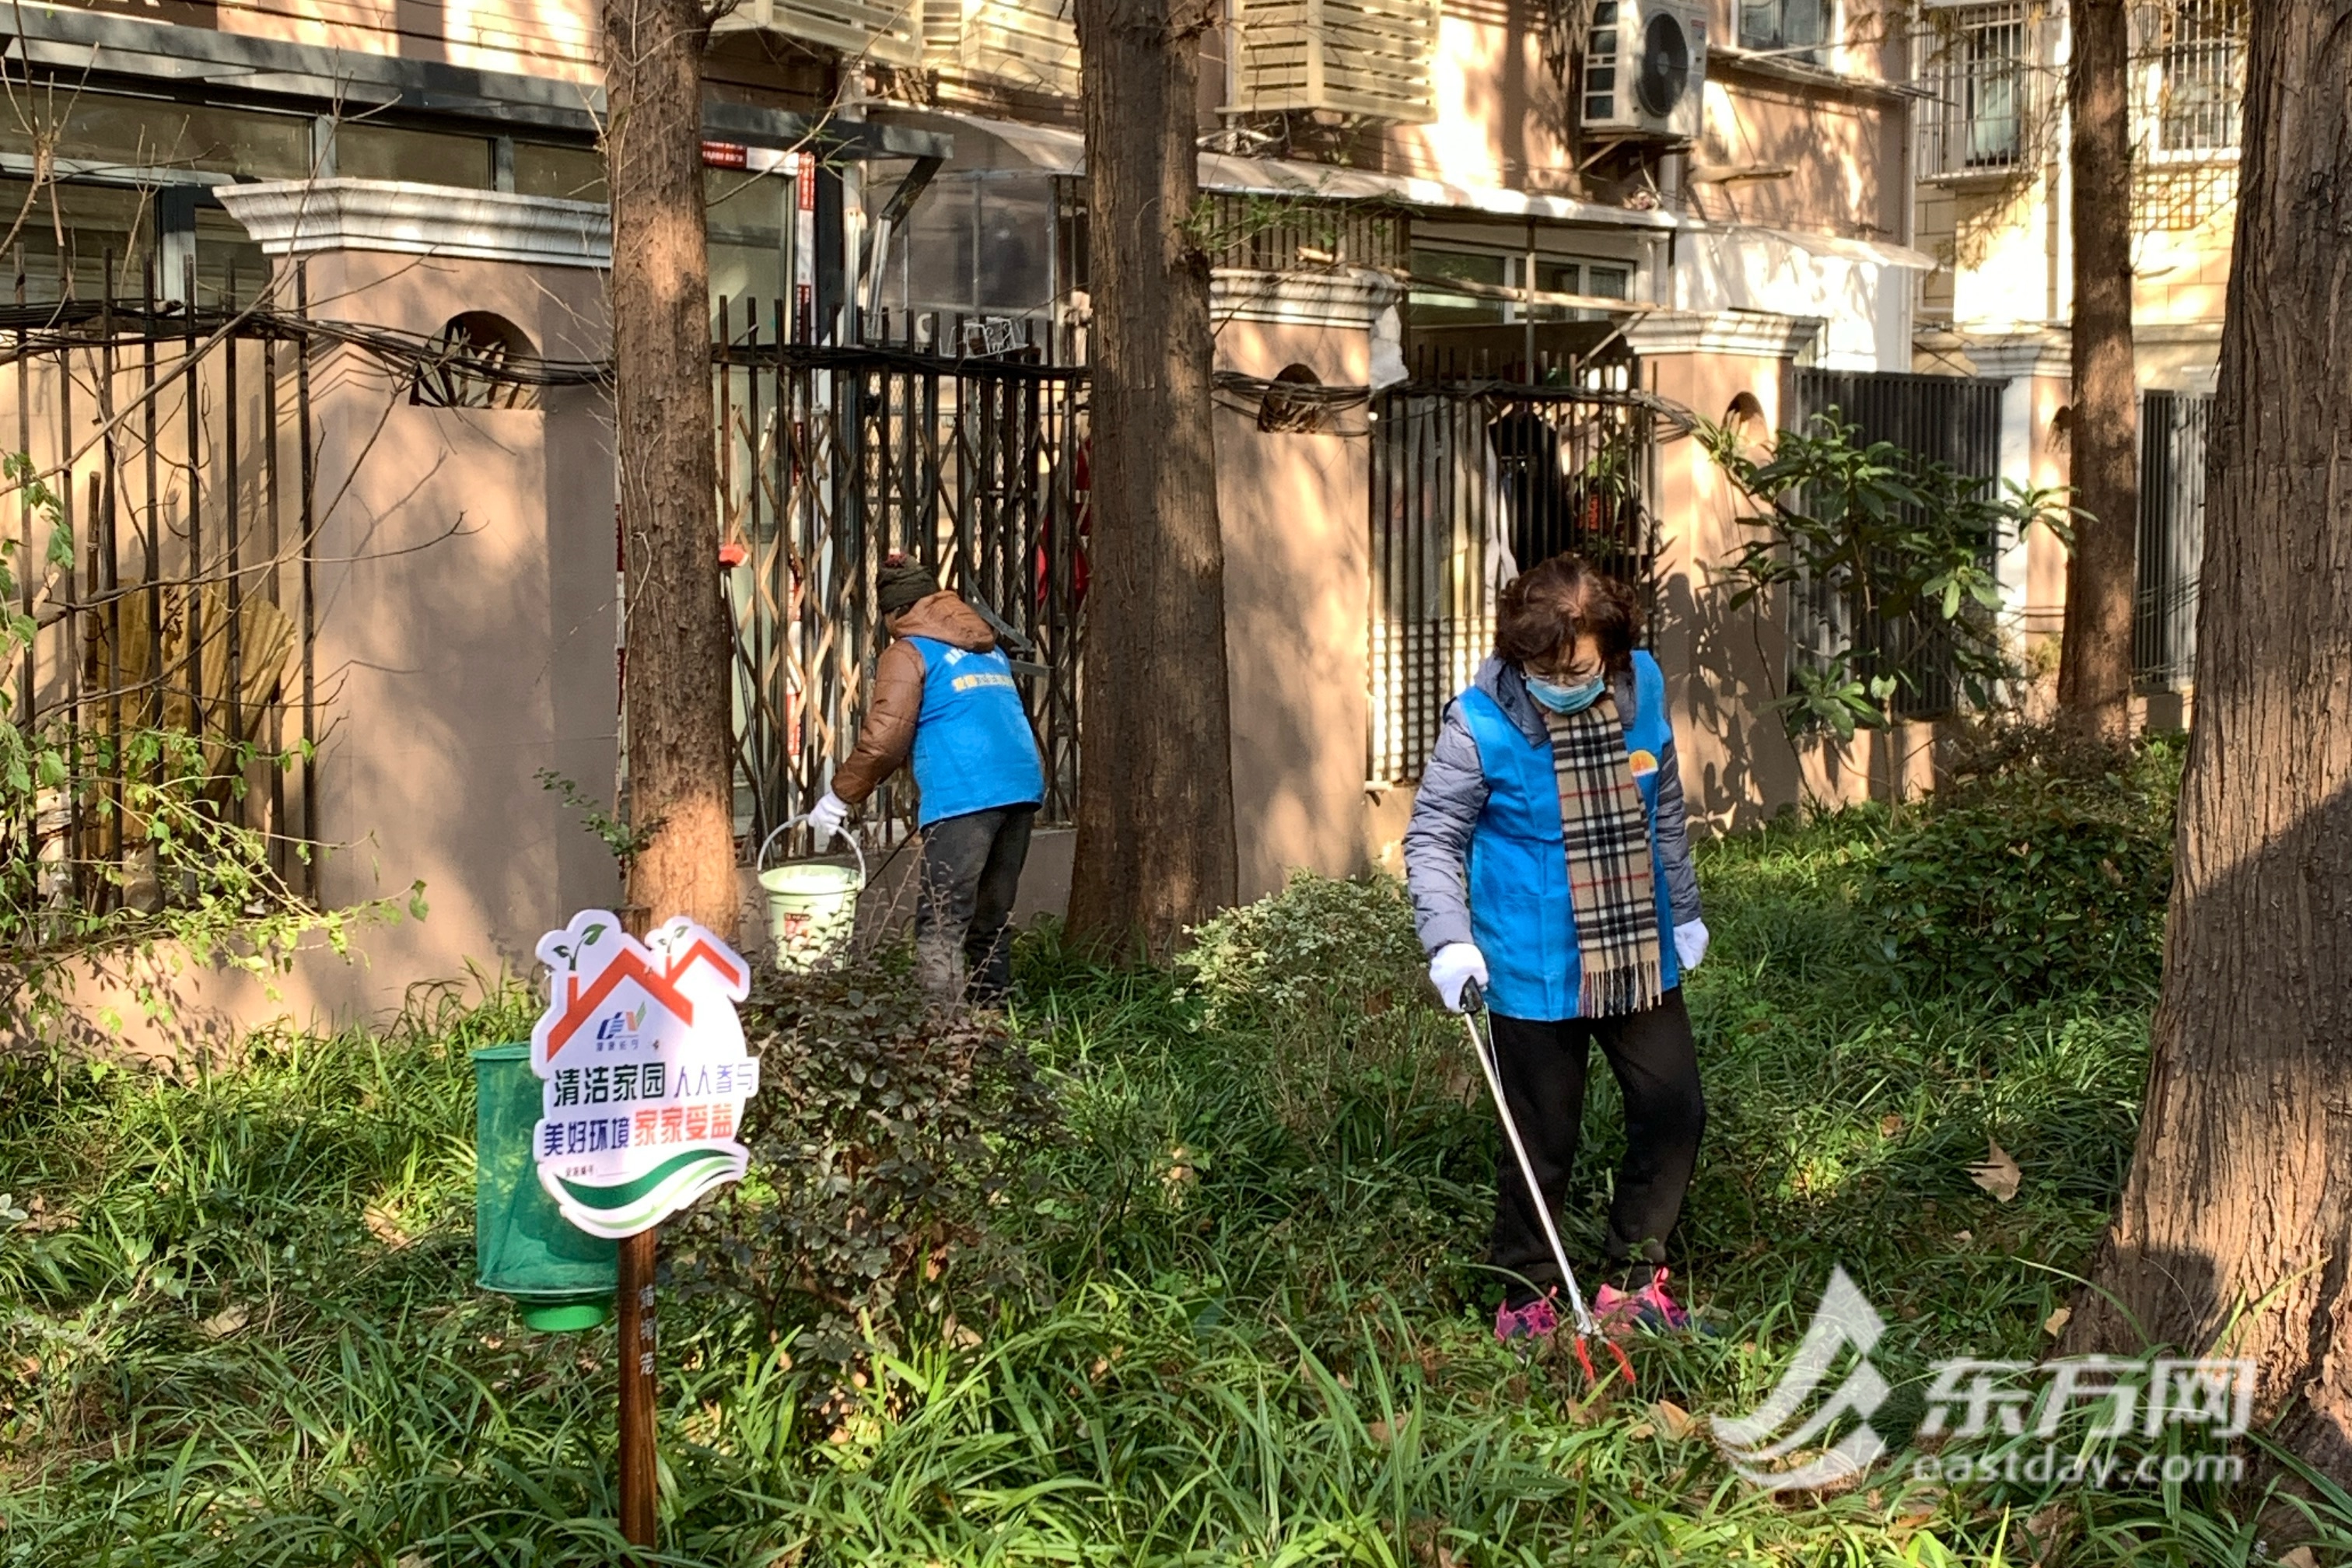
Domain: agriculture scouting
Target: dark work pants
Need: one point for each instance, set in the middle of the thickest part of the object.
(1542, 1068)
(963, 897)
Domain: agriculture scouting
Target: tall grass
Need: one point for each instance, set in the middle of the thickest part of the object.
(238, 1325)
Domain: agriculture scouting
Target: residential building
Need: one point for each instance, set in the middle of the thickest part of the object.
(1993, 198)
(1473, 276)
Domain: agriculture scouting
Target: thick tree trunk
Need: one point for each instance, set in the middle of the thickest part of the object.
(2095, 662)
(1155, 849)
(680, 778)
(2236, 1223)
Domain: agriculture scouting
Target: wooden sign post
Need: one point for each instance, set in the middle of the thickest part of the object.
(637, 1346)
(646, 1079)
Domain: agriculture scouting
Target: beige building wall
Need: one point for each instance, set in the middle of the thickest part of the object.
(1294, 510)
(466, 628)
(558, 39)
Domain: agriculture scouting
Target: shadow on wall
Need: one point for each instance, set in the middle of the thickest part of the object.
(1745, 763)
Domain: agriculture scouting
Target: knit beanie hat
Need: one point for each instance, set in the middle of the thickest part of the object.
(901, 583)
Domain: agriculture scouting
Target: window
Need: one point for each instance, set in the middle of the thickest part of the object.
(2191, 69)
(1978, 63)
(150, 133)
(1794, 27)
(97, 222)
(573, 173)
(365, 151)
(975, 246)
(1428, 306)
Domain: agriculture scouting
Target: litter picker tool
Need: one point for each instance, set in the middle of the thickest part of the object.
(1580, 1324)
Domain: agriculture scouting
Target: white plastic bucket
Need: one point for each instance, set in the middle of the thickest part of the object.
(812, 905)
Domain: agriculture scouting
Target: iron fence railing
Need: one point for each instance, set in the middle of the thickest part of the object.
(830, 458)
(169, 592)
(2174, 431)
(1954, 420)
(1472, 481)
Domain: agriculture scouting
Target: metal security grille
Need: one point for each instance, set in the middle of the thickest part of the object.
(1469, 483)
(1948, 419)
(1986, 91)
(2174, 431)
(2189, 62)
(831, 458)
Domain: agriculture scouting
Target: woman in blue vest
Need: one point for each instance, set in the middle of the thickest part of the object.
(1548, 861)
(944, 695)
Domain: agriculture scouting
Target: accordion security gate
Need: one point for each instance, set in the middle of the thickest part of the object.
(1469, 483)
(832, 459)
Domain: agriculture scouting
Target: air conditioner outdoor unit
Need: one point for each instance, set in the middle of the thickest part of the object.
(1645, 69)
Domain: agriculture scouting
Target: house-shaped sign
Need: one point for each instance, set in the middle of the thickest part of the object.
(644, 1072)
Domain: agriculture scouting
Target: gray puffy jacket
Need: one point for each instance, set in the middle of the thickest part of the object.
(1453, 792)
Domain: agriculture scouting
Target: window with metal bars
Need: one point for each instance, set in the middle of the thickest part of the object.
(2189, 68)
(1979, 64)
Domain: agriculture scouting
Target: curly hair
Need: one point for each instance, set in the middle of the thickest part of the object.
(1547, 606)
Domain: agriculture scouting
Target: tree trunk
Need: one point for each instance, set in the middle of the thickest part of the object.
(679, 660)
(1155, 849)
(2095, 662)
(2235, 1220)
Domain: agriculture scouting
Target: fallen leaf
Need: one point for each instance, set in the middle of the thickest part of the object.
(2055, 1323)
(1888, 1126)
(2301, 1557)
(225, 1321)
(1642, 1430)
(384, 1228)
(1962, 1237)
(1673, 1420)
(1998, 1176)
(1379, 1431)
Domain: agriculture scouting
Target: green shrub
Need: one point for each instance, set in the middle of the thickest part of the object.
(1322, 944)
(2039, 867)
(882, 1134)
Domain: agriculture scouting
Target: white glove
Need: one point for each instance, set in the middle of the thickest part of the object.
(1456, 965)
(827, 815)
(1690, 943)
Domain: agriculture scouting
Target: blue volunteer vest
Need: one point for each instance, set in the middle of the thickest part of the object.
(973, 750)
(1520, 913)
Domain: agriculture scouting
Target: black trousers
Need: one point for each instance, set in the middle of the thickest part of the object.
(964, 891)
(1542, 1067)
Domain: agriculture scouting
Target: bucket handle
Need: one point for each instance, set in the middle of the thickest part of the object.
(760, 862)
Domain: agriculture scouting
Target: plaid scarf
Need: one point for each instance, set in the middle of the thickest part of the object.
(1610, 880)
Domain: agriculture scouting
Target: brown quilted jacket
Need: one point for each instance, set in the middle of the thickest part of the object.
(888, 736)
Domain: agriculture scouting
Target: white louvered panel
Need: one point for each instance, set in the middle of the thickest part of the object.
(1031, 44)
(888, 33)
(1355, 57)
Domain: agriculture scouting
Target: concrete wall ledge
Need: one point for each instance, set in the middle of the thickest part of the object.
(303, 218)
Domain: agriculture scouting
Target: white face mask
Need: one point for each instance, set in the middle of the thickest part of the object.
(1567, 698)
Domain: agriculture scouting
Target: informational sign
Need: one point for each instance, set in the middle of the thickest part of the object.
(644, 1073)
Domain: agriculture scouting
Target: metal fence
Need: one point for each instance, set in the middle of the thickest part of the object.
(165, 512)
(1954, 420)
(1470, 482)
(2174, 431)
(830, 458)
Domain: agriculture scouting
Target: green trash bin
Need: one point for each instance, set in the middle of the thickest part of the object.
(562, 1278)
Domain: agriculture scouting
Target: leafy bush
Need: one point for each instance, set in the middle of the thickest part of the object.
(2041, 867)
(882, 1134)
(1322, 944)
